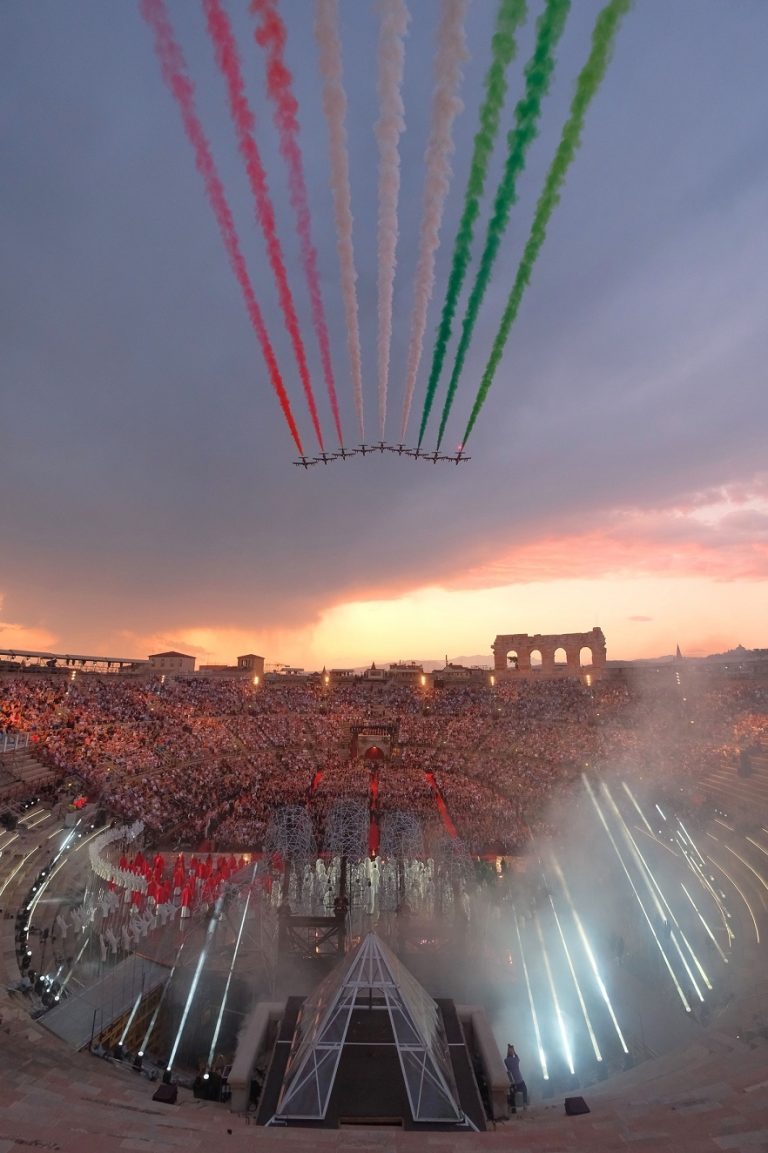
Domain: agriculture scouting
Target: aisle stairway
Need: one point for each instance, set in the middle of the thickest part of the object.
(21, 774)
(734, 794)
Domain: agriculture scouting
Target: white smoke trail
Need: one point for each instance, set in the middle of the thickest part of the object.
(446, 105)
(335, 108)
(394, 25)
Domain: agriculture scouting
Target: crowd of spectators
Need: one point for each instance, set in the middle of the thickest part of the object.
(211, 760)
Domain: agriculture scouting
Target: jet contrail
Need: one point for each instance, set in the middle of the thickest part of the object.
(335, 108)
(392, 30)
(446, 105)
(538, 76)
(511, 14)
(228, 59)
(174, 71)
(271, 36)
(589, 81)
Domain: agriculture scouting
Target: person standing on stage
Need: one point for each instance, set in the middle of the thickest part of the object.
(512, 1063)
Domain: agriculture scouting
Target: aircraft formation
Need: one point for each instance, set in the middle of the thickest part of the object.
(493, 137)
(343, 453)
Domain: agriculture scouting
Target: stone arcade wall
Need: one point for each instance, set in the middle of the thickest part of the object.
(522, 645)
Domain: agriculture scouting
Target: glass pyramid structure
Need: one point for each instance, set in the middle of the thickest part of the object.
(370, 977)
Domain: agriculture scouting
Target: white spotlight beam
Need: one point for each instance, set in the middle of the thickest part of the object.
(658, 843)
(640, 862)
(65, 982)
(746, 865)
(696, 962)
(159, 1004)
(555, 999)
(638, 898)
(129, 1022)
(229, 974)
(589, 954)
(88, 839)
(705, 883)
(42, 817)
(757, 845)
(67, 840)
(534, 1018)
(711, 935)
(697, 868)
(691, 841)
(579, 994)
(642, 815)
(20, 866)
(654, 888)
(193, 987)
(28, 816)
(34, 902)
(712, 861)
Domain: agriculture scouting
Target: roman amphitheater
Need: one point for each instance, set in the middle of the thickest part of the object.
(313, 910)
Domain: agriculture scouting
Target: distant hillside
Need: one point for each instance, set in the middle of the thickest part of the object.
(739, 654)
(665, 660)
(484, 660)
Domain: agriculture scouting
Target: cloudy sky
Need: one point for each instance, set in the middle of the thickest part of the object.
(619, 471)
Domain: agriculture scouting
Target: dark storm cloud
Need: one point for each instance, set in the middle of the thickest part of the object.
(143, 457)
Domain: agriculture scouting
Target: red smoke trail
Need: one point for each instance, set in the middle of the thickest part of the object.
(271, 35)
(220, 31)
(175, 75)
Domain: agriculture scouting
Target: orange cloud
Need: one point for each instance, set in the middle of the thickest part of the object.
(213, 645)
(31, 639)
(668, 542)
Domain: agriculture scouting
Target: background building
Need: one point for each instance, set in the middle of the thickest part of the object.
(172, 662)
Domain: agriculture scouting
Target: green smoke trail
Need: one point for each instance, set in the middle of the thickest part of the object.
(589, 81)
(511, 14)
(538, 76)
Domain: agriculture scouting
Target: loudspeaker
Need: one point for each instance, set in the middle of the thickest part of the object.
(166, 1093)
(576, 1105)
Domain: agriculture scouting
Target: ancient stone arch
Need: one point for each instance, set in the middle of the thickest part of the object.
(523, 645)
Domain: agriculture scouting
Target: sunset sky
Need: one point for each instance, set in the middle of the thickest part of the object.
(619, 471)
